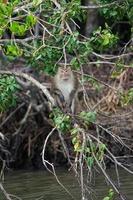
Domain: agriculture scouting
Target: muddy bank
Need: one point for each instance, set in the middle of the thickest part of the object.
(22, 144)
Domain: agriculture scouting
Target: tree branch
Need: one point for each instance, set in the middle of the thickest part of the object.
(19, 40)
(100, 6)
(4, 192)
(33, 81)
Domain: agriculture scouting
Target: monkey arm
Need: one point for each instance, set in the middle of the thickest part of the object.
(59, 99)
(72, 97)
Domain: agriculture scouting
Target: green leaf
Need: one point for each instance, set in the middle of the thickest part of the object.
(5, 9)
(102, 147)
(88, 116)
(74, 140)
(106, 198)
(111, 194)
(8, 87)
(105, 40)
(90, 161)
(17, 28)
(13, 50)
(75, 63)
(31, 20)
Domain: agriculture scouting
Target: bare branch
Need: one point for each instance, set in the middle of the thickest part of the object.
(4, 192)
(94, 78)
(99, 6)
(27, 5)
(20, 40)
(110, 57)
(45, 162)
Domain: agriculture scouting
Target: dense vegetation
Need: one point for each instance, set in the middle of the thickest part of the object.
(95, 38)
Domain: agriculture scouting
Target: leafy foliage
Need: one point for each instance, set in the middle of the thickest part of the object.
(110, 195)
(8, 87)
(117, 11)
(56, 22)
(76, 140)
(88, 117)
(58, 26)
(94, 152)
(61, 121)
(91, 150)
(127, 97)
(12, 51)
(103, 39)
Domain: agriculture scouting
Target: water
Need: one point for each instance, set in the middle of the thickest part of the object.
(41, 185)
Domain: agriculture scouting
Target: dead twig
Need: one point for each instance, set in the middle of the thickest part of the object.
(45, 162)
(110, 57)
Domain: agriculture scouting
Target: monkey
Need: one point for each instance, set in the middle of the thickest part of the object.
(65, 88)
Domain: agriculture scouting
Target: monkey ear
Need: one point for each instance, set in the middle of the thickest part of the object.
(61, 65)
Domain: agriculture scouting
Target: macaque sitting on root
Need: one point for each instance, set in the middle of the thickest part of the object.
(65, 87)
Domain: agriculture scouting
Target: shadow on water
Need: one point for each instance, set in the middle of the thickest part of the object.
(33, 185)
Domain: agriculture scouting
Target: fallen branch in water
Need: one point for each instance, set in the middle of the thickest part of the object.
(4, 192)
(8, 196)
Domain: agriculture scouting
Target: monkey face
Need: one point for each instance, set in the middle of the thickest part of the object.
(65, 73)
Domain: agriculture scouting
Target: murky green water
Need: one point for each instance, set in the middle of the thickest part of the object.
(41, 185)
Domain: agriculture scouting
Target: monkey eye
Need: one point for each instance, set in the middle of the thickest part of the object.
(62, 72)
(65, 71)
